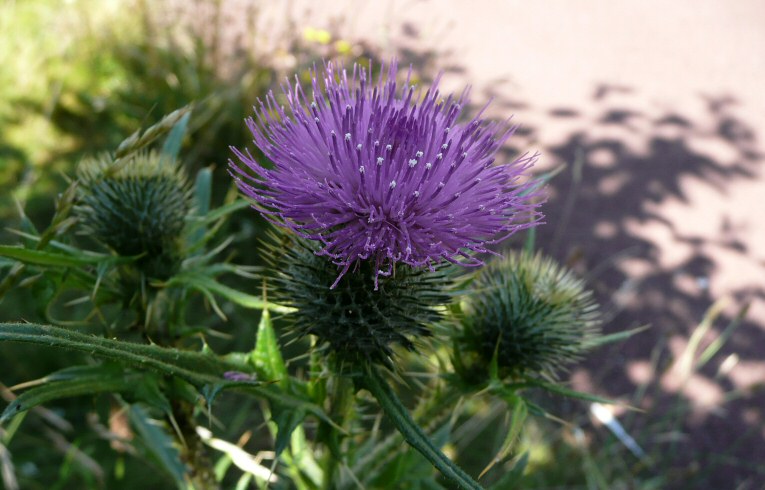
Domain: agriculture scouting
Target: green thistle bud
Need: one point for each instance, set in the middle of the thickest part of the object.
(534, 314)
(136, 206)
(354, 322)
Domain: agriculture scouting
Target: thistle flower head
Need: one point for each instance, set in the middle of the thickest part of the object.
(381, 174)
(137, 206)
(533, 314)
(352, 321)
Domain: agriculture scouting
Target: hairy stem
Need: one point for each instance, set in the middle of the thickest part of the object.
(431, 414)
(413, 434)
(341, 409)
(193, 452)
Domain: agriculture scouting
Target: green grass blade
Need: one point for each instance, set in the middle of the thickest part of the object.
(685, 362)
(720, 341)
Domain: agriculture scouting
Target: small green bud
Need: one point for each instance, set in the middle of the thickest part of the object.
(354, 322)
(137, 206)
(534, 314)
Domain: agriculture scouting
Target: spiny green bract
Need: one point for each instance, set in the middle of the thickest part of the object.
(136, 206)
(536, 315)
(354, 322)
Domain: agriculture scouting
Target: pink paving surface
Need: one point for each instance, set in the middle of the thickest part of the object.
(665, 102)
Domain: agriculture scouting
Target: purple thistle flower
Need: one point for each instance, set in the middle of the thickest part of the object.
(381, 174)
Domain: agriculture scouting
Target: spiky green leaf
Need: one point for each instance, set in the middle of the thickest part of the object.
(615, 337)
(562, 390)
(267, 357)
(517, 419)
(83, 380)
(194, 367)
(158, 443)
(286, 420)
(512, 479)
(208, 286)
(56, 259)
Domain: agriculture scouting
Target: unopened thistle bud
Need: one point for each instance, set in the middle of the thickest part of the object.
(530, 312)
(354, 322)
(136, 207)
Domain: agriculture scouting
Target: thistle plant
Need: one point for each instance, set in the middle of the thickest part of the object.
(529, 315)
(378, 177)
(383, 197)
(136, 207)
(353, 322)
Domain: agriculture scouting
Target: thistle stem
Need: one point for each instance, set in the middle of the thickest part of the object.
(201, 474)
(340, 410)
(430, 414)
(413, 434)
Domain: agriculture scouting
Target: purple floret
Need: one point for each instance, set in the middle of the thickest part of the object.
(386, 175)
